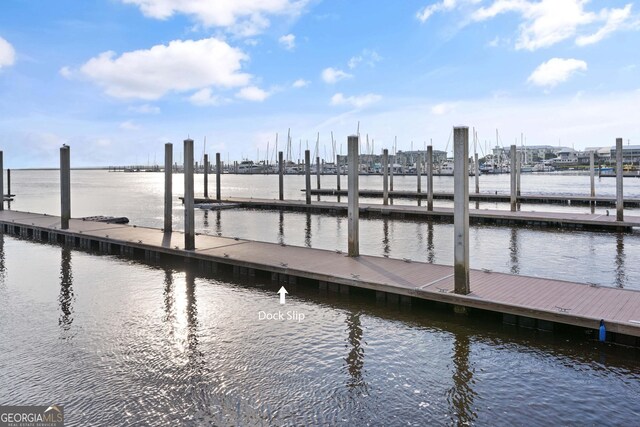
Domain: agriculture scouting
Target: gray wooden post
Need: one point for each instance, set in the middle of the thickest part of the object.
(385, 177)
(391, 175)
(168, 187)
(307, 172)
(430, 178)
(513, 174)
(619, 175)
(206, 176)
(2, 183)
(461, 210)
(419, 174)
(353, 208)
(338, 172)
(318, 170)
(518, 172)
(9, 182)
(65, 186)
(476, 172)
(592, 173)
(189, 215)
(218, 174)
(280, 176)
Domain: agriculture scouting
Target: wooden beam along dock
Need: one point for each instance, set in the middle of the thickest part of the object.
(570, 199)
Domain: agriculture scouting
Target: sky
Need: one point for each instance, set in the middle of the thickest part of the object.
(116, 79)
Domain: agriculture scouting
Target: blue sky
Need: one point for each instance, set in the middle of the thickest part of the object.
(116, 79)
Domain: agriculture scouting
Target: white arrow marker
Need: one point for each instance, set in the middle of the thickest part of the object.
(282, 293)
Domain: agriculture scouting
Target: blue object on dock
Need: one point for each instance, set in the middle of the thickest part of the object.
(603, 332)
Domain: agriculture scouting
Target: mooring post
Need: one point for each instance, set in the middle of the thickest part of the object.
(385, 177)
(318, 171)
(391, 174)
(65, 186)
(518, 171)
(461, 209)
(430, 178)
(419, 174)
(619, 175)
(218, 173)
(2, 183)
(189, 215)
(9, 182)
(307, 172)
(352, 185)
(513, 174)
(280, 176)
(168, 188)
(338, 172)
(592, 173)
(476, 166)
(206, 176)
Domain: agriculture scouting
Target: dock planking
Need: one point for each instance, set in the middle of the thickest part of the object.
(561, 199)
(544, 300)
(478, 216)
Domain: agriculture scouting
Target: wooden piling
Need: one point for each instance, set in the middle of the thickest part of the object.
(430, 178)
(318, 171)
(385, 177)
(518, 172)
(168, 188)
(65, 187)
(391, 174)
(476, 172)
(189, 215)
(512, 173)
(338, 172)
(280, 176)
(307, 172)
(592, 173)
(218, 173)
(353, 208)
(9, 182)
(619, 175)
(419, 174)
(461, 210)
(206, 176)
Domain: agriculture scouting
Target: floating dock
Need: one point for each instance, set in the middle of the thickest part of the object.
(526, 301)
(583, 221)
(570, 199)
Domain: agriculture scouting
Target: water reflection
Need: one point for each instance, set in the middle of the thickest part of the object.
(195, 356)
(218, 222)
(355, 358)
(281, 228)
(67, 296)
(431, 253)
(513, 251)
(205, 222)
(2, 264)
(385, 237)
(460, 397)
(307, 231)
(621, 276)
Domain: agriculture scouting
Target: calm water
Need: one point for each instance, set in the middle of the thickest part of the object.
(119, 342)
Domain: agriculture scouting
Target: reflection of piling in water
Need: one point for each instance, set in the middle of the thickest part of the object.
(66, 289)
(307, 231)
(621, 276)
(355, 358)
(281, 228)
(513, 251)
(385, 237)
(461, 395)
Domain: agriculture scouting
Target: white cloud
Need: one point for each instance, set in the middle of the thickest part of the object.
(555, 71)
(180, 66)
(129, 125)
(243, 17)
(547, 22)
(442, 109)
(425, 13)
(66, 72)
(332, 75)
(7, 54)
(288, 41)
(252, 93)
(355, 101)
(615, 18)
(144, 109)
(368, 57)
(300, 83)
(204, 97)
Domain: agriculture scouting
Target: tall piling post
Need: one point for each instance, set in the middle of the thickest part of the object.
(391, 174)
(189, 215)
(218, 173)
(65, 186)
(9, 182)
(513, 175)
(307, 173)
(461, 210)
(419, 174)
(476, 172)
(206, 176)
(430, 178)
(280, 176)
(518, 172)
(338, 172)
(385, 177)
(619, 176)
(168, 187)
(592, 173)
(353, 205)
(318, 171)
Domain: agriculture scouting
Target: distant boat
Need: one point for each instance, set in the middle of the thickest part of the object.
(526, 168)
(247, 166)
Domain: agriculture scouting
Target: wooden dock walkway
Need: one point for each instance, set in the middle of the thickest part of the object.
(570, 199)
(533, 302)
(476, 216)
